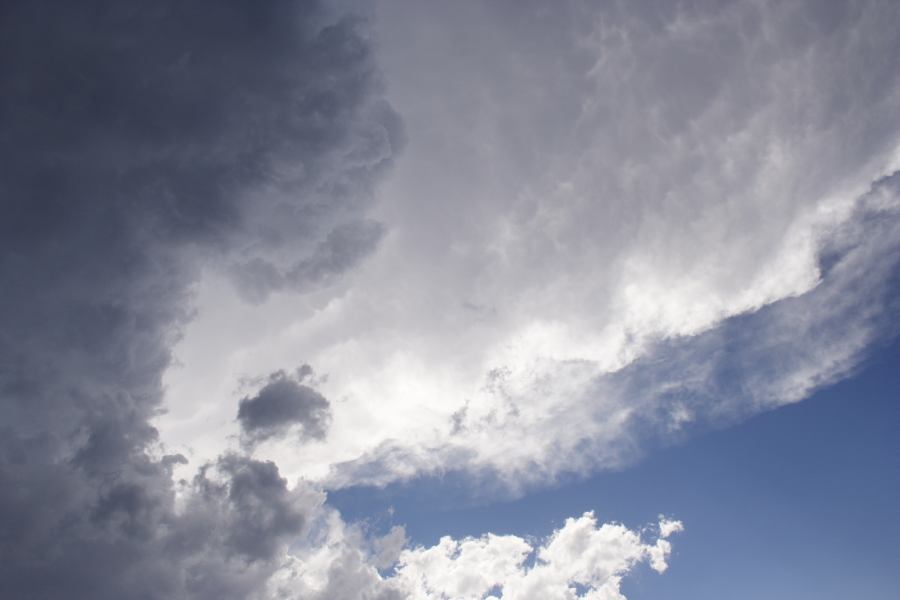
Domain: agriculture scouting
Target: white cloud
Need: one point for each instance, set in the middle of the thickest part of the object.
(583, 189)
(581, 559)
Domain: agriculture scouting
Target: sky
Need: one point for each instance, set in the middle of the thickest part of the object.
(430, 300)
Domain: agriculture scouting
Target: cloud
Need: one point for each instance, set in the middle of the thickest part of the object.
(342, 248)
(232, 534)
(226, 541)
(646, 203)
(581, 559)
(143, 144)
(283, 404)
(776, 355)
(684, 217)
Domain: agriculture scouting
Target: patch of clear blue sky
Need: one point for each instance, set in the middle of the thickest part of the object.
(802, 502)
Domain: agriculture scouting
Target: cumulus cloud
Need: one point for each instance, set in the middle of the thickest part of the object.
(284, 404)
(581, 559)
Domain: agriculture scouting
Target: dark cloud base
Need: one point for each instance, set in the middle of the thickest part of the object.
(141, 141)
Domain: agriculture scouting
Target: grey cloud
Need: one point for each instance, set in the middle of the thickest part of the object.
(614, 130)
(285, 404)
(142, 141)
(352, 578)
(342, 248)
(387, 548)
(208, 122)
(257, 514)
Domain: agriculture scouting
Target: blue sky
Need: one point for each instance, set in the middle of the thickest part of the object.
(427, 300)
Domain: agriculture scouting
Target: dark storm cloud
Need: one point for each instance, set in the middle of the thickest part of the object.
(284, 404)
(141, 141)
